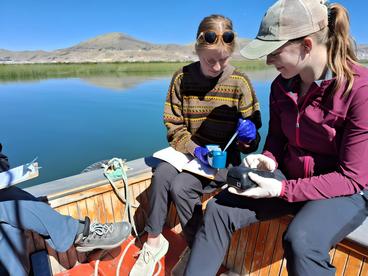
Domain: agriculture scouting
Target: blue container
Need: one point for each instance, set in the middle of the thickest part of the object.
(217, 159)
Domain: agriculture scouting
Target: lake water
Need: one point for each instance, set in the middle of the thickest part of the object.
(71, 123)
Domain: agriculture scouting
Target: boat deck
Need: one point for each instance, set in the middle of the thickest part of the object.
(109, 263)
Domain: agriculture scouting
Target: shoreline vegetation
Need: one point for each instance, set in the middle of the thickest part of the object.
(21, 72)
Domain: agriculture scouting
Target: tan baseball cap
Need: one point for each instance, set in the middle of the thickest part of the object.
(286, 20)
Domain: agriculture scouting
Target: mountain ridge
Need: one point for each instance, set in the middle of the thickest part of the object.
(119, 47)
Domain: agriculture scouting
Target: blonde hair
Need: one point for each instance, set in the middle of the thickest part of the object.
(219, 24)
(341, 47)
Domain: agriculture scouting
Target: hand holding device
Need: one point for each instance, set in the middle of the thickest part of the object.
(266, 187)
(260, 162)
(238, 177)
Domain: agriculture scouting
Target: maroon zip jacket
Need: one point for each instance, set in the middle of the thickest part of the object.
(319, 141)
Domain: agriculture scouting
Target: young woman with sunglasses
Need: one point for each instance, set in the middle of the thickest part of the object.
(206, 103)
(318, 137)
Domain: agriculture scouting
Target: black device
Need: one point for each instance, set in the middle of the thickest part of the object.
(238, 178)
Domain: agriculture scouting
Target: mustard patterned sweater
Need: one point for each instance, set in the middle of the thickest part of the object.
(200, 111)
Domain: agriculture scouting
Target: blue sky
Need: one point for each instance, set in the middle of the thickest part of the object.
(51, 24)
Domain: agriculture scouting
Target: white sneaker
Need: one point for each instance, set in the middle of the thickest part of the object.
(148, 257)
(179, 268)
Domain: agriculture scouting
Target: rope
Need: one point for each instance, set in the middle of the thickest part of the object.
(102, 254)
(116, 170)
(122, 256)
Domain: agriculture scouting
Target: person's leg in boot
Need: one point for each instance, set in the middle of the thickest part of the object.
(21, 210)
(225, 214)
(316, 228)
(156, 245)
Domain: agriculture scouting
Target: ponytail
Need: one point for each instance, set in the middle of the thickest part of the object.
(341, 47)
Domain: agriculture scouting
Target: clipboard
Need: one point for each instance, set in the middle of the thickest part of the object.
(185, 162)
(18, 174)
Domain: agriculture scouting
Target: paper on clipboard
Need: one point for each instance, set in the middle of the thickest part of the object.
(185, 162)
(18, 174)
(197, 167)
(174, 157)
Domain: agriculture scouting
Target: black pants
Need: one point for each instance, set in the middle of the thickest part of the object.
(317, 226)
(185, 190)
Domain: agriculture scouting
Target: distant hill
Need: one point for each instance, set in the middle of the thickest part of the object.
(115, 47)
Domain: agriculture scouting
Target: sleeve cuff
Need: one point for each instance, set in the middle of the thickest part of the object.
(190, 146)
(283, 184)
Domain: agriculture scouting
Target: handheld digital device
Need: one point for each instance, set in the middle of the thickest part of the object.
(238, 178)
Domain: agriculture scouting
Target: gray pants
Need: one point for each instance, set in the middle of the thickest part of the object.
(185, 190)
(317, 226)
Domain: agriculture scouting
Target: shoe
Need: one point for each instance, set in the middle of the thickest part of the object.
(102, 236)
(179, 268)
(148, 257)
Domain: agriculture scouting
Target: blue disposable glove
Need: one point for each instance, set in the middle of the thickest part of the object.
(247, 131)
(201, 153)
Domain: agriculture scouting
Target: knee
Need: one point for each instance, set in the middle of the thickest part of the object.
(213, 211)
(185, 186)
(163, 175)
(219, 217)
(292, 242)
(297, 242)
(179, 190)
(211, 208)
(165, 170)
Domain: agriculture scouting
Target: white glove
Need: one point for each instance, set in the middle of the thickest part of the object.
(260, 162)
(267, 187)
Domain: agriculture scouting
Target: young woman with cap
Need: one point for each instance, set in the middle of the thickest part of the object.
(206, 103)
(318, 137)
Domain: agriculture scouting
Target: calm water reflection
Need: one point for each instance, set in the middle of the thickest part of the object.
(72, 123)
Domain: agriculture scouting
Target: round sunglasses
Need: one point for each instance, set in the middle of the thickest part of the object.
(212, 37)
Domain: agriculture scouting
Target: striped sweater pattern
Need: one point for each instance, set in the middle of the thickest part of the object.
(201, 111)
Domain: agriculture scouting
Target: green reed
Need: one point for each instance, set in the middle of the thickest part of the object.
(20, 72)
